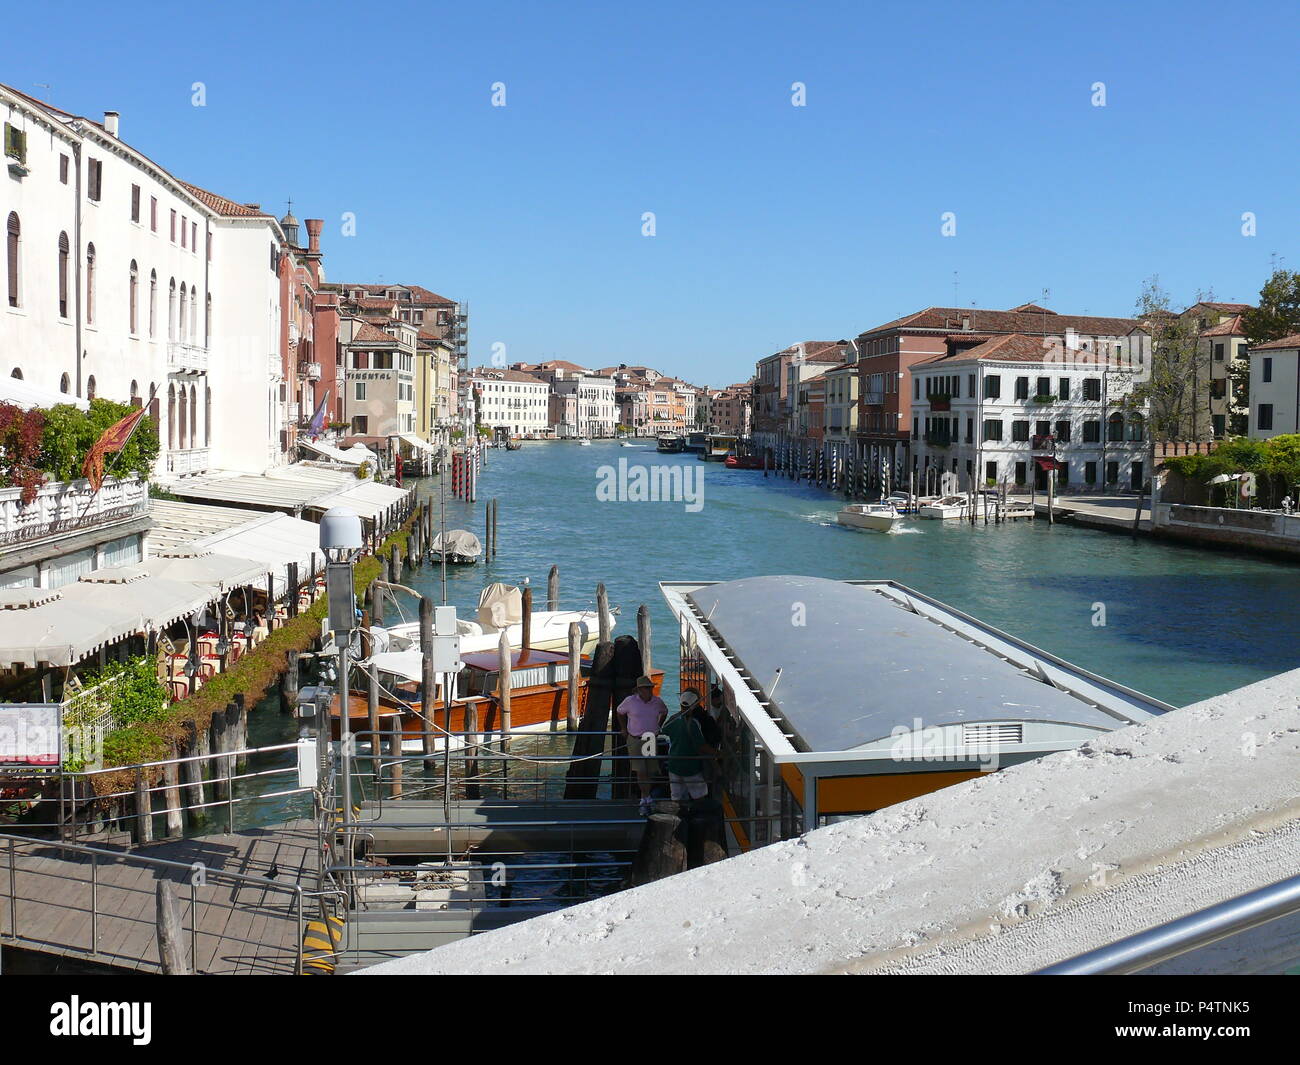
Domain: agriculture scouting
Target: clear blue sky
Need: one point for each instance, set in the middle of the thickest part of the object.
(774, 223)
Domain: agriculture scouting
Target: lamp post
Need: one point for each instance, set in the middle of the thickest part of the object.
(341, 540)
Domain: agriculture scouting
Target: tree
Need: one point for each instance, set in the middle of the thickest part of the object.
(1167, 385)
(1278, 313)
(21, 432)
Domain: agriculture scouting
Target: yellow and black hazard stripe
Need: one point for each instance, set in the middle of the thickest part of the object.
(320, 946)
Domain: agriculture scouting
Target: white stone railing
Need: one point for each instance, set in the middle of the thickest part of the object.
(63, 506)
(187, 460)
(186, 357)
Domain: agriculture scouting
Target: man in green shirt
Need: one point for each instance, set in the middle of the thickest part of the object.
(687, 751)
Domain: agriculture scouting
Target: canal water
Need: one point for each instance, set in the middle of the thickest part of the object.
(1180, 623)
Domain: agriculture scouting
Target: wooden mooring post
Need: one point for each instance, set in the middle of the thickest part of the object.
(428, 682)
(553, 589)
(143, 823)
(172, 794)
(196, 744)
(289, 684)
(173, 950)
(575, 675)
(503, 703)
(643, 637)
(602, 613)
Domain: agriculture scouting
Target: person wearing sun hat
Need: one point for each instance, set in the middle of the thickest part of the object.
(688, 751)
(640, 716)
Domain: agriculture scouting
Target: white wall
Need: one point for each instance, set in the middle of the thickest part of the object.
(1281, 391)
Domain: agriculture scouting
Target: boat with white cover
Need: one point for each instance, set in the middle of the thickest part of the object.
(878, 517)
(954, 506)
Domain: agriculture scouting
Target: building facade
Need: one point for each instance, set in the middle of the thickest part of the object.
(1275, 388)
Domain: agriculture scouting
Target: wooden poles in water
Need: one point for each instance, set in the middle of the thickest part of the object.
(428, 682)
(643, 637)
(575, 671)
(553, 589)
(602, 613)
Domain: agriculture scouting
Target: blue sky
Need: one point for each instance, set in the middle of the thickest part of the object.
(774, 223)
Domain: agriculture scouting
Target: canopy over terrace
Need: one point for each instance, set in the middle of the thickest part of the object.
(266, 542)
(299, 490)
(353, 456)
(63, 626)
(853, 695)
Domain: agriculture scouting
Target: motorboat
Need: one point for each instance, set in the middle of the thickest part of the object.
(459, 546)
(743, 462)
(671, 443)
(717, 447)
(953, 506)
(583, 442)
(879, 517)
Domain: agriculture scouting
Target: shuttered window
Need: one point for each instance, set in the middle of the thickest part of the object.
(90, 283)
(63, 169)
(135, 203)
(64, 252)
(153, 213)
(94, 179)
(11, 246)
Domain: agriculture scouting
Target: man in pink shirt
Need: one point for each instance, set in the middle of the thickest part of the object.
(642, 714)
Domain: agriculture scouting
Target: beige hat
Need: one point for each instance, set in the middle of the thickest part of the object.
(690, 700)
(644, 682)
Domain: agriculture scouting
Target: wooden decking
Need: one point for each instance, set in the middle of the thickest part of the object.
(103, 907)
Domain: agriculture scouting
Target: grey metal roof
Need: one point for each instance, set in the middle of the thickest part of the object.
(861, 663)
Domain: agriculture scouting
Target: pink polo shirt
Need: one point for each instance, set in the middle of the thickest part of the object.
(642, 716)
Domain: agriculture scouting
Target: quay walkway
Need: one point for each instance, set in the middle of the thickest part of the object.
(242, 899)
(1095, 512)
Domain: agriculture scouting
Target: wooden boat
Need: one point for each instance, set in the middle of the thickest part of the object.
(538, 696)
(743, 462)
(878, 517)
(670, 443)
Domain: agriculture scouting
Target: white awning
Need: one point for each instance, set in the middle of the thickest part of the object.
(21, 394)
(368, 498)
(416, 442)
(271, 542)
(328, 451)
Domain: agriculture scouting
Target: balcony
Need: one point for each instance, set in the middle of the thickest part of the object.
(274, 366)
(186, 358)
(309, 370)
(182, 461)
(65, 506)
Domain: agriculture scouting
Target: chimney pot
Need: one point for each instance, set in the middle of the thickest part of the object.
(111, 119)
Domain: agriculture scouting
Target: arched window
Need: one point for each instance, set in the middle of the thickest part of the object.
(65, 383)
(16, 374)
(1136, 428)
(135, 394)
(180, 335)
(153, 304)
(171, 416)
(90, 283)
(194, 311)
(194, 418)
(64, 251)
(12, 253)
(1115, 427)
(171, 310)
(135, 297)
(90, 386)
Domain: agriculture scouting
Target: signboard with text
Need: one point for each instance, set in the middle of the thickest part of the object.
(30, 737)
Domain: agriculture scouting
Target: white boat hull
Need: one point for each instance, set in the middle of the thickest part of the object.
(875, 521)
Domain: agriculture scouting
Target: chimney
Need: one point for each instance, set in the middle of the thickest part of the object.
(965, 323)
(314, 226)
(110, 122)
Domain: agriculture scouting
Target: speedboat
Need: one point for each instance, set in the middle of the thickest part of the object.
(880, 517)
(954, 506)
(743, 462)
(583, 442)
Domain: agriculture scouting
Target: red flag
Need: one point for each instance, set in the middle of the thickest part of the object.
(114, 438)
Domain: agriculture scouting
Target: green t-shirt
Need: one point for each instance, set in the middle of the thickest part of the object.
(684, 742)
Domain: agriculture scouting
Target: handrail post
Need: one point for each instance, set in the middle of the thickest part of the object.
(94, 905)
(13, 894)
(194, 925)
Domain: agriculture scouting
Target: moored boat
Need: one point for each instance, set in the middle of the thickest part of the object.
(743, 462)
(456, 545)
(671, 443)
(879, 517)
(717, 447)
(953, 506)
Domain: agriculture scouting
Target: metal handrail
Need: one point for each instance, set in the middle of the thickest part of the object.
(209, 876)
(1200, 929)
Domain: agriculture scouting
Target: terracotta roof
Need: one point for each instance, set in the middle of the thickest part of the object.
(369, 334)
(949, 319)
(1234, 308)
(418, 293)
(371, 303)
(1032, 307)
(1292, 341)
(223, 206)
(1013, 347)
(1232, 327)
(482, 372)
(561, 364)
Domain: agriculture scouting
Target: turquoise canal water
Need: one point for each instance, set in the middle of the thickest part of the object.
(1181, 623)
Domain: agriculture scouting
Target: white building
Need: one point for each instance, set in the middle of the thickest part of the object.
(1275, 388)
(511, 400)
(595, 411)
(126, 283)
(1005, 410)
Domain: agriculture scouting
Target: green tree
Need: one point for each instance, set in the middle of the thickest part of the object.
(1278, 313)
(70, 434)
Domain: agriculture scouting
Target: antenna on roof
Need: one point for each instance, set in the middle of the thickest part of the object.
(955, 301)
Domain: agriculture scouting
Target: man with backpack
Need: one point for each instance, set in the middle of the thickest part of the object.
(688, 751)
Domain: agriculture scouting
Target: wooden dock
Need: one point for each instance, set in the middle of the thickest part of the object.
(100, 904)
